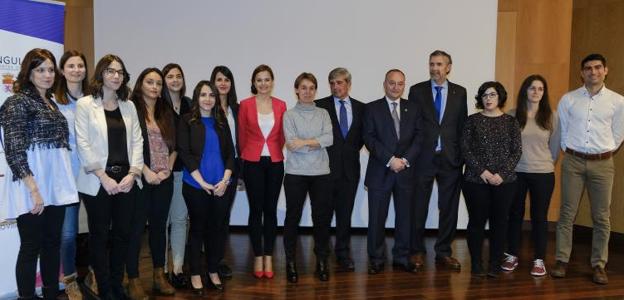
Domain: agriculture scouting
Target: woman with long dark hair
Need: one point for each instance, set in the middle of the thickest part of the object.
(260, 140)
(491, 147)
(223, 79)
(41, 182)
(205, 146)
(158, 131)
(535, 171)
(110, 146)
(175, 96)
(72, 86)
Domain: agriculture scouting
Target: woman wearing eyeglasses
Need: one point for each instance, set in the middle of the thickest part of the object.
(491, 147)
(110, 146)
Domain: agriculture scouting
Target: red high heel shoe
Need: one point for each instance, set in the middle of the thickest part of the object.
(269, 274)
(259, 274)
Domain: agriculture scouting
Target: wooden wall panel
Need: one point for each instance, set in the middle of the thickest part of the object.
(541, 45)
(597, 28)
(506, 49)
(79, 29)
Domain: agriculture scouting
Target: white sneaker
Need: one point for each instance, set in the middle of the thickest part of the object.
(539, 269)
(510, 262)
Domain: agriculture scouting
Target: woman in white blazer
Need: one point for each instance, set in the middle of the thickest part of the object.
(110, 146)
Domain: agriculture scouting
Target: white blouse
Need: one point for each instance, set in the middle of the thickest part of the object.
(266, 123)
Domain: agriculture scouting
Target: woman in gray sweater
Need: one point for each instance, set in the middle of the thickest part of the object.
(308, 132)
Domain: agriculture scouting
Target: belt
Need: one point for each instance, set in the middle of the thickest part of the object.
(588, 156)
(117, 169)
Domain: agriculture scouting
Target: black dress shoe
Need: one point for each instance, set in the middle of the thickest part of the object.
(291, 272)
(224, 270)
(476, 270)
(407, 267)
(322, 270)
(118, 292)
(178, 281)
(346, 264)
(494, 271)
(374, 268)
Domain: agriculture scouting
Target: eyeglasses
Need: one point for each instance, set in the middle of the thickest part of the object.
(490, 95)
(111, 72)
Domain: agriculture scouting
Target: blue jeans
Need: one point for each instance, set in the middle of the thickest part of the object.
(68, 239)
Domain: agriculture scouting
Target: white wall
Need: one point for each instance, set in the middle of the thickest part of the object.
(367, 37)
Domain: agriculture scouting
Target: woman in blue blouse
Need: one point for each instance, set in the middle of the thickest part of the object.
(205, 147)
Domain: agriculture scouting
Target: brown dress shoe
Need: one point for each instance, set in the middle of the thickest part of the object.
(161, 285)
(71, 288)
(418, 260)
(135, 289)
(600, 275)
(559, 270)
(91, 283)
(449, 262)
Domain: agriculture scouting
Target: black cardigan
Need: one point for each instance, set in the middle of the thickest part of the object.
(191, 138)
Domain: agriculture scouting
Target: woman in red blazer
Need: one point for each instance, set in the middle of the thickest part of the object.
(261, 139)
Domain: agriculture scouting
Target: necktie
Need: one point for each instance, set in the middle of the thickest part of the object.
(437, 102)
(395, 119)
(344, 122)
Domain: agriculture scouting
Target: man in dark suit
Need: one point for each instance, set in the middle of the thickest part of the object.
(344, 157)
(393, 136)
(443, 105)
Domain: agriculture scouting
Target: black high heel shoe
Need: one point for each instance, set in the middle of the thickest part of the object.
(217, 286)
(196, 291)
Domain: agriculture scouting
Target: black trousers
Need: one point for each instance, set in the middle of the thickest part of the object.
(296, 188)
(40, 237)
(152, 205)
(343, 191)
(110, 223)
(487, 203)
(230, 196)
(449, 180)
(207, 214)
(540, 187)
(378, 203)
(263, 182)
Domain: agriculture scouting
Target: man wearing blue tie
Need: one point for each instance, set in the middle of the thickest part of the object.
(344, 158)
(443, 106)
(392, 134)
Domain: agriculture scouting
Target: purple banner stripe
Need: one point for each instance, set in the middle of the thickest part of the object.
(36, 19)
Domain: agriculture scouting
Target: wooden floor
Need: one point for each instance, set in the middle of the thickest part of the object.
(432, 283)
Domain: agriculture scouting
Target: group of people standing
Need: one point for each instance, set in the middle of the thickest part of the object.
(153, 155)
